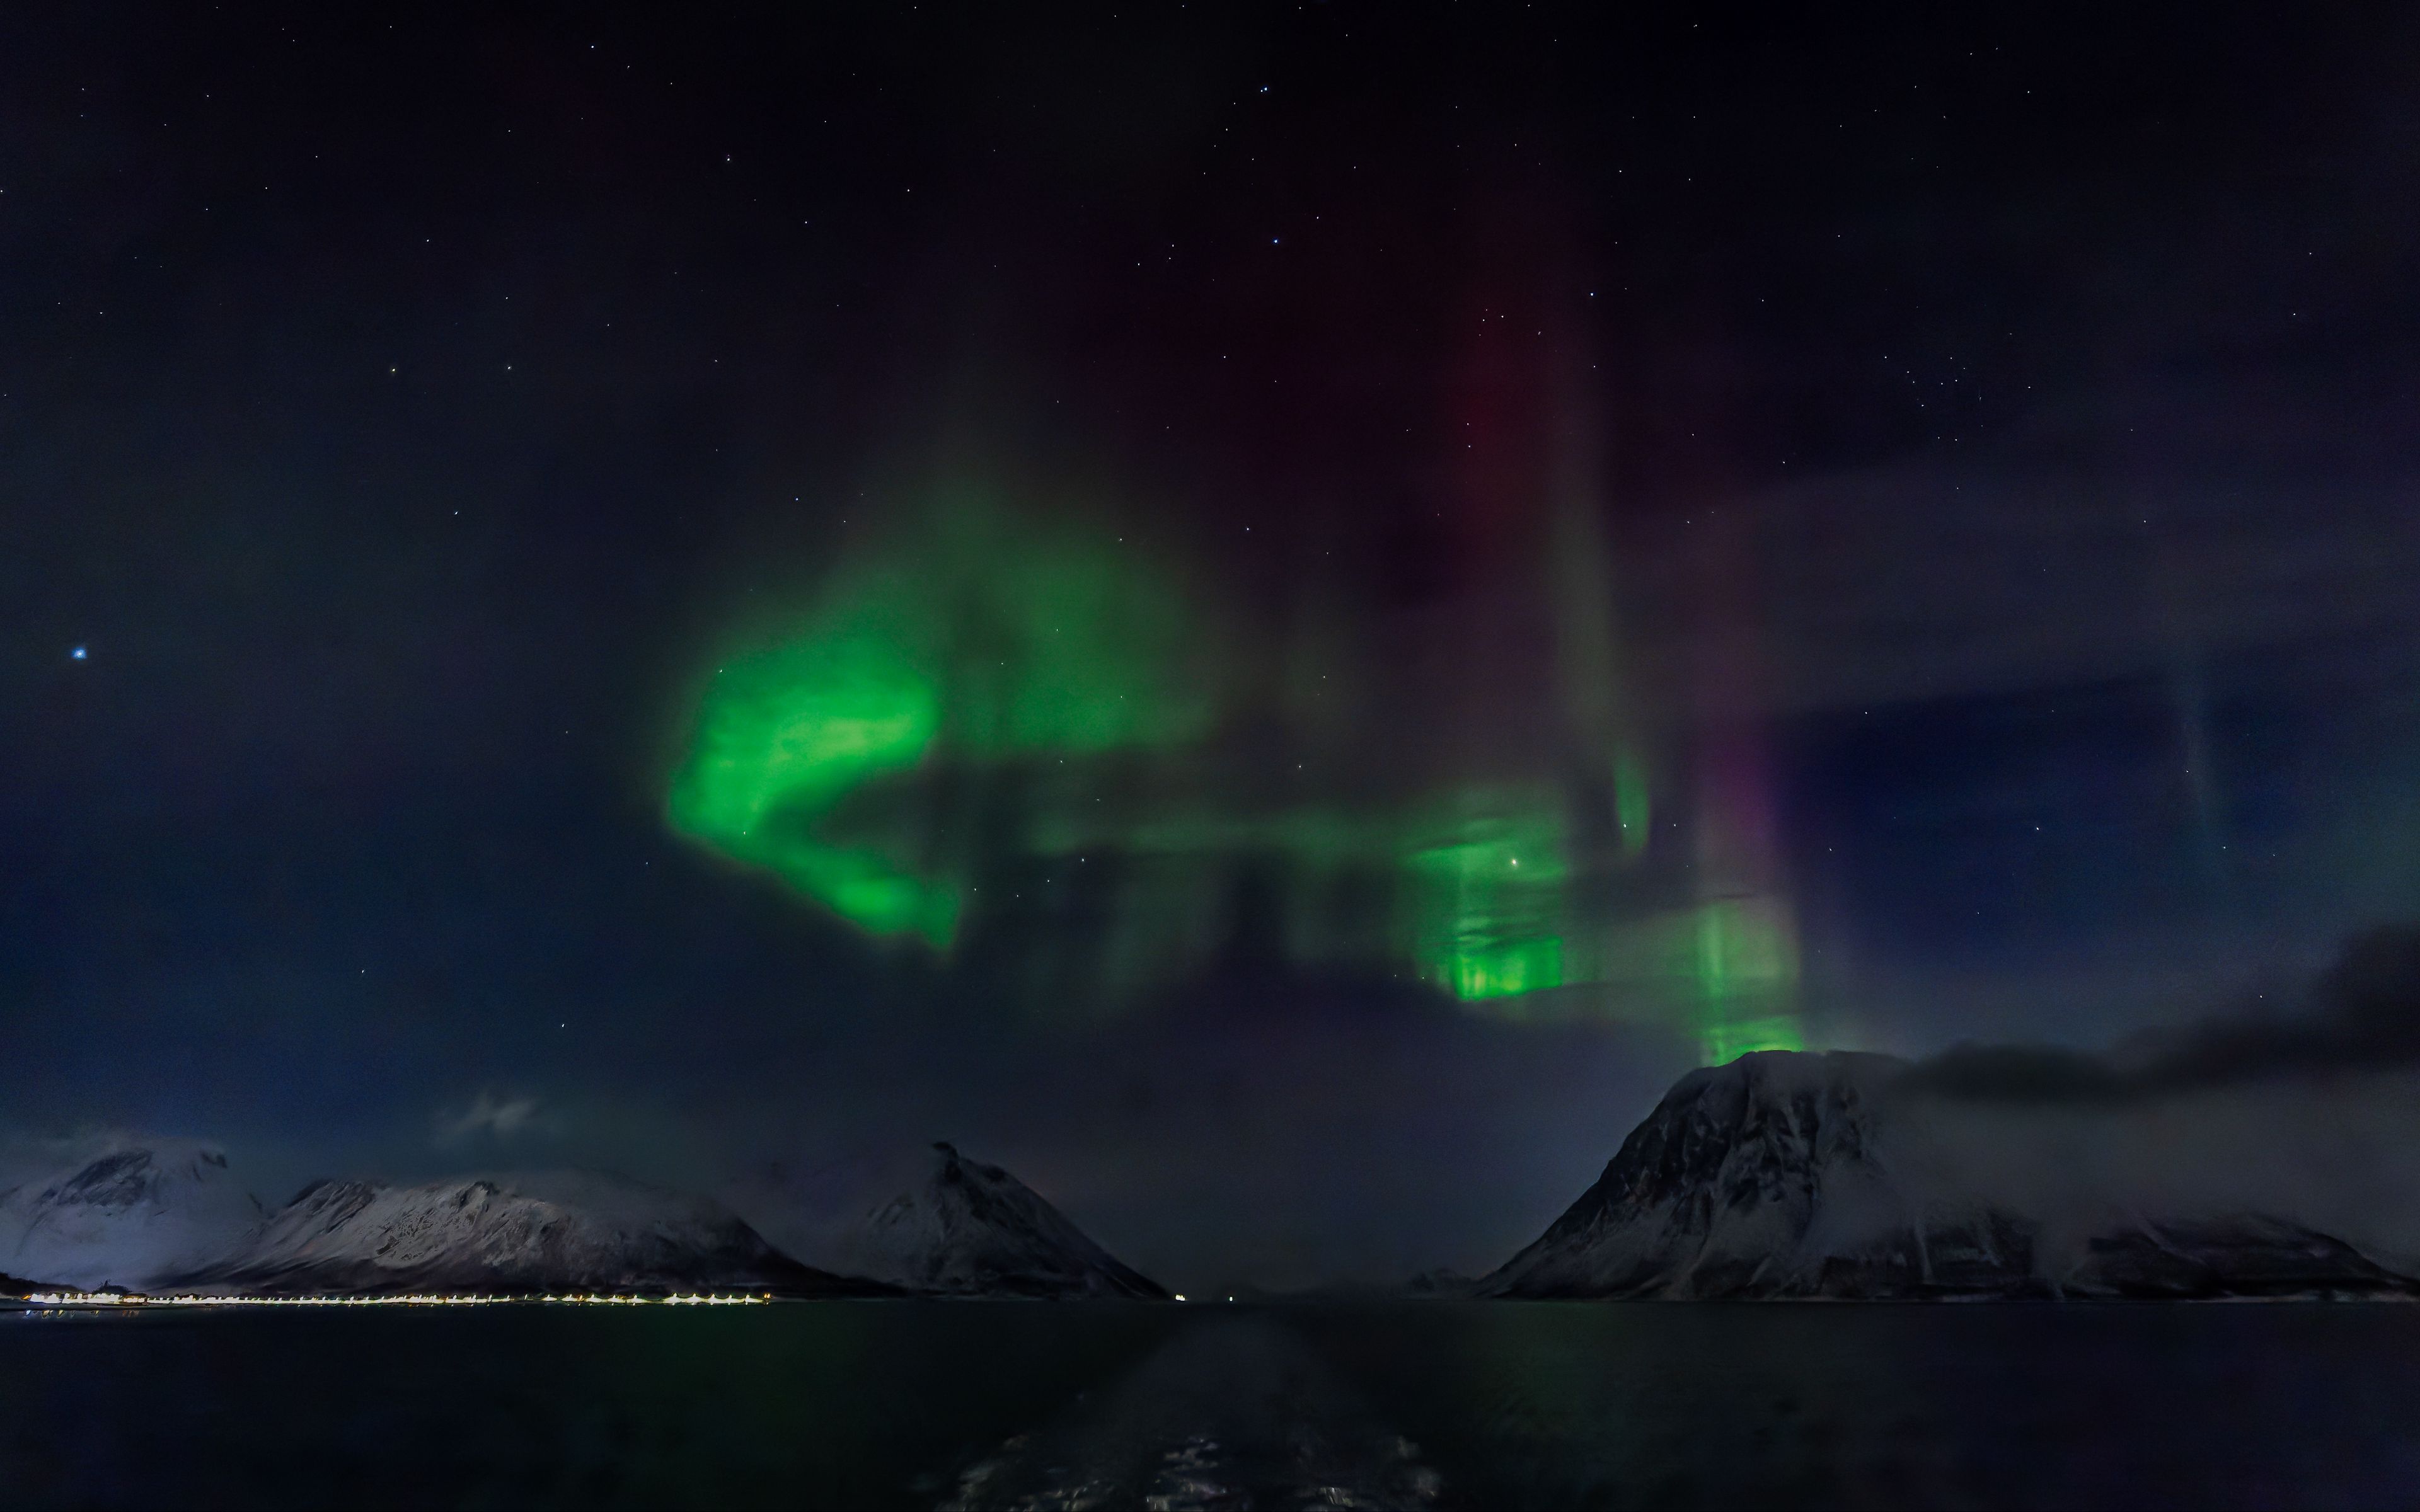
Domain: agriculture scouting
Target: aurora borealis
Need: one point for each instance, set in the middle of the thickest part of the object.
(991, 702)
(988, 648)
(1277, 615)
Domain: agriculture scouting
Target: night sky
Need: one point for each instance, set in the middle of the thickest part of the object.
(726, 596)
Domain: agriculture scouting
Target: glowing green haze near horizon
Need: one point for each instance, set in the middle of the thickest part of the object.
(986, 713)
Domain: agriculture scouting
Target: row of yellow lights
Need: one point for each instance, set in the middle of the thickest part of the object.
(113, 1299)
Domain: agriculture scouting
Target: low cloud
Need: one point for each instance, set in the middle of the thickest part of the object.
(2335, 1155)
(489, 1115)
(2311, 1114)
(2361, 1015)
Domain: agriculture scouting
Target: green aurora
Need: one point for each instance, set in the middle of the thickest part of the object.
(1000, 722)
(992, 646)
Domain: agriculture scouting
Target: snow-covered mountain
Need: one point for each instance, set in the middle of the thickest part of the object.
(1785, 1173)
(550, 1231)
(119, 1211)
(967, 1229)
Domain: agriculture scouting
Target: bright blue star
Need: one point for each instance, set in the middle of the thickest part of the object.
(77, 653)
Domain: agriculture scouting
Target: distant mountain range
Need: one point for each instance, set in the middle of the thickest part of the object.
(550, 1231)
(166, 1215)
(1779, 1176)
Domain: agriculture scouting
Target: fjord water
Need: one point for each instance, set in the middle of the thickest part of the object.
(1022, 1405)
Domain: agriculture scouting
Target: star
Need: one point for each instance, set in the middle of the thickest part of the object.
(77, 655)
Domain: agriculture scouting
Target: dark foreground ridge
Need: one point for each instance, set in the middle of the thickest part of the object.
(1775, 1175)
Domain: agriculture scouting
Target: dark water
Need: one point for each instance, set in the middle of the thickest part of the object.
(1481, 1406)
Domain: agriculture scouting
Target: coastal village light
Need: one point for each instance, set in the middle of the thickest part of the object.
(120, 1298)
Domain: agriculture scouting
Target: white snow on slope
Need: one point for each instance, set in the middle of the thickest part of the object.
(115, 1210)
(1786, 1174)
(506, 1231)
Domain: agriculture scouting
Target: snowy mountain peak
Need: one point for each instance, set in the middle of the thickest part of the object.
(119, 1210)
(534, 1231)
(1780, 1174)
(1717, 1189)
(137, 1176)
(1764, 1130)
(969, 1230)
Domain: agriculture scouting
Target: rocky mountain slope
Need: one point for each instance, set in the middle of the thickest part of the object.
(120, 1211)
(969, 1230)
(529, 1232)
(1791, 1175)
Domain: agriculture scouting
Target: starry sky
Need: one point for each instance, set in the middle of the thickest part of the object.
(728, 595)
